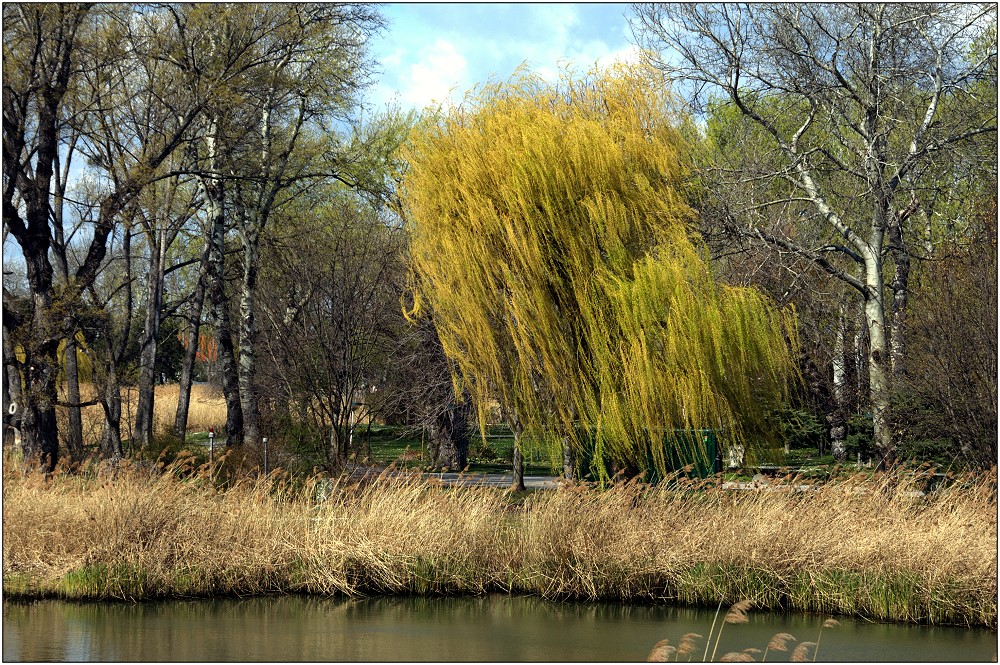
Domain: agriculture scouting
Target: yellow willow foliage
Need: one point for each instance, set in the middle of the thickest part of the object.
(85, 367)
(552, 241)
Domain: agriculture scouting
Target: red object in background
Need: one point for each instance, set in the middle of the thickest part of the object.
(208, 347)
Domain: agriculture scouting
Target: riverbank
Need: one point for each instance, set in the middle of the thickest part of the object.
(861, 547)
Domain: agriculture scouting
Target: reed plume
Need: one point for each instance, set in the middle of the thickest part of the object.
(801, 653)
(778, 643)
(661, 652)
(736, 614)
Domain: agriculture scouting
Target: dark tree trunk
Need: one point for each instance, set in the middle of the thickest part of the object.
(55, 47)
(74, 435)
(824, 398)
(449, 438)
(517, 463)
(220, 314)
(12, 402)
(900, 286)
(114, 352)
(142, 433)
(39, 434)
(111, 402)
(191, 350)
(517, 482)
(569, 460)
(39, 431)
(336, 451)
(248, 332)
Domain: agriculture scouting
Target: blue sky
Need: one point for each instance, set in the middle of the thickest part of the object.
(431, 49)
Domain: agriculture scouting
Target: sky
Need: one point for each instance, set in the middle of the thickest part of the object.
(431, 52)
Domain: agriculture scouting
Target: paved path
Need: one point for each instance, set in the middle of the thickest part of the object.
(359, 471)
(494, 480)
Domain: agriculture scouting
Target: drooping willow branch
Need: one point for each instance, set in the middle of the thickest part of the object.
(552, 239)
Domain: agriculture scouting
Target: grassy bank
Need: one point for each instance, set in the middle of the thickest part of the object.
(862, 547)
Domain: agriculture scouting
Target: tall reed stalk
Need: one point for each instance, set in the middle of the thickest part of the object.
(663, 652)
(861, 547)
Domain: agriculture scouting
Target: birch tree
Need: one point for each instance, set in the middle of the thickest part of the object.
(290, 72)
(553, 243)
(850, 97)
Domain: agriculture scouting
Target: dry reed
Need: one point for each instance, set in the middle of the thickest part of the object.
(207, 408)
(737, 614)
(863, 547)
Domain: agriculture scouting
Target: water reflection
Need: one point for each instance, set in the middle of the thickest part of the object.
(492, 628)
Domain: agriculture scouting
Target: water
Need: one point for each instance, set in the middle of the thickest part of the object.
(492, 628)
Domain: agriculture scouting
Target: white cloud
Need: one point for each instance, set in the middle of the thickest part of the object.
(438, 69)
(563, 43)
(434, 52)
(560, 19)
(394, 58)
(629, 55)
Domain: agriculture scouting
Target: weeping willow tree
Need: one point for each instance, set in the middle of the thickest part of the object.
(553, 241)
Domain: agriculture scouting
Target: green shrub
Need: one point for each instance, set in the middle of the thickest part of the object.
(860, 437)
(801, 428)
(940, 450)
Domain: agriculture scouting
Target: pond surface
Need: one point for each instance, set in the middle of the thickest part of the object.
(491, 628)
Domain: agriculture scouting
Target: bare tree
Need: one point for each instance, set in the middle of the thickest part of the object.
(43, 43)
(419, 389)
(52, 50)
(191, 333)
(331, 309)
(850, 100)
(167, 208)
(109, 329)
(287, 73)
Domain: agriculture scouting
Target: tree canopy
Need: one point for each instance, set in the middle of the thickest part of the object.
(553, 240)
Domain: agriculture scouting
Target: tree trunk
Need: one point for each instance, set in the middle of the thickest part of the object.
(569, 460)
(334, 455)
(517, 482)
(900, 296)
(111, 401)
(227, 354)
(39, 430)
(248, 332)
(12, 402)
(214, 201)
(449, 438)
(860, 363)
(838, 427)
(878, 377)
(39, 433)
(142, 433)
(191, 350)
(110, 387)
(74, 435)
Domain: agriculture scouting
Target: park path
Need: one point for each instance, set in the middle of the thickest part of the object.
(494, 480)
(359, 472)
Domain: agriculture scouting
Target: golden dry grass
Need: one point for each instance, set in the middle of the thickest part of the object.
(862, 547)
(207, 409)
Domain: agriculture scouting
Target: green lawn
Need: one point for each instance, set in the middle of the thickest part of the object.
(404, 447)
